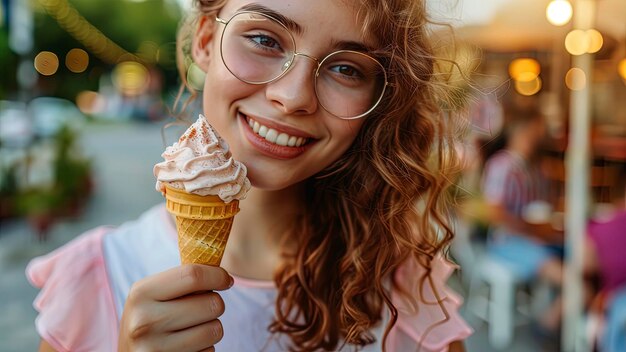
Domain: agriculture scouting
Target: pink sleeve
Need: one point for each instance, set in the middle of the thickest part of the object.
(427, 324)
(75, 304)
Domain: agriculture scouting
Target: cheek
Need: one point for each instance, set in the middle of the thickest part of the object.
(342, 136)
(221, 91)
(220, 86)
(345, 131)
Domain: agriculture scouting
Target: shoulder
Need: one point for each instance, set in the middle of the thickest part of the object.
(433, 322)
(77, 302)
(75, 306)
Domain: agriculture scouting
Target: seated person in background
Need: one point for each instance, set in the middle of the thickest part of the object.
(520, 229)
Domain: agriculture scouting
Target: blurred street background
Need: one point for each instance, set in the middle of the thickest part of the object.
(87, 89)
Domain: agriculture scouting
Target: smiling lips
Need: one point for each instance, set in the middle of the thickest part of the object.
(274, 143)
(273, 136)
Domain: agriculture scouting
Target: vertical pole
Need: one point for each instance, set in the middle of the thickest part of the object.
(576, 189)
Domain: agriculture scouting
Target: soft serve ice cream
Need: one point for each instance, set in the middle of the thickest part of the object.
(201, 163)
(202, 185)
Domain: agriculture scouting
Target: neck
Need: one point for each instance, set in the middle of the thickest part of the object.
(255, 245)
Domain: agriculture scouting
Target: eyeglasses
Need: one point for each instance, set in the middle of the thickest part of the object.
(258, 49)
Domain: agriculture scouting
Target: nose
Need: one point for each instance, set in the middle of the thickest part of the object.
(294, 93)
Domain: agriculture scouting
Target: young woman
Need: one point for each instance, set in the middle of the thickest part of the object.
(338, 244)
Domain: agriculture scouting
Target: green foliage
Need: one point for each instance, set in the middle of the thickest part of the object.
(126, 23)
(70, 188)
(70, 172)
(130, 23)
(8, 66)
(37, 202)
(8, 181)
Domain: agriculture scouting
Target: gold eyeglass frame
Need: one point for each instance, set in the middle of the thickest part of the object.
(290, 63)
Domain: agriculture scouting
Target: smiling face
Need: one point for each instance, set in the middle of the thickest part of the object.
(279, 130)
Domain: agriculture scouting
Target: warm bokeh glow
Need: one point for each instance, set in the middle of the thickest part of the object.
(621, 68)
(577, 42)
(524, 69)
(528, 88)
(595, 41)
(131, 78)
(575, 79)
(77, 60)
(90, 102)
(559, 12)
(46, 63)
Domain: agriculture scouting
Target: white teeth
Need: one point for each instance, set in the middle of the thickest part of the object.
(282, 139)
(273, 136)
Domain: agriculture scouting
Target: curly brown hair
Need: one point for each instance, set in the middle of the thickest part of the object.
(381, 204)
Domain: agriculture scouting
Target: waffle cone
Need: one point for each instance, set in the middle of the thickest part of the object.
(203, 224)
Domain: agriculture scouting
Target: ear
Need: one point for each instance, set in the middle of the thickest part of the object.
(202, 39)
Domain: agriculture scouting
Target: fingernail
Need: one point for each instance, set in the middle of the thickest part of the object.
(232, 281)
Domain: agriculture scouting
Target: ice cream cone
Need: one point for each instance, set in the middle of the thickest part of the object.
(203, 224)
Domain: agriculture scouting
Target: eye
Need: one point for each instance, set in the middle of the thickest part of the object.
(347, 71)
(264, 41)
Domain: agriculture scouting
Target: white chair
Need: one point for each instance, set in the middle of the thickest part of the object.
(496, 295)
(501, 299)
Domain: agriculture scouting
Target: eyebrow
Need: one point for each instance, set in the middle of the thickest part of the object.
(289, 23)
(295, 27)
(351, 45)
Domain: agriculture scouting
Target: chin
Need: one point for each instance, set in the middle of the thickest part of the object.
(272, 180)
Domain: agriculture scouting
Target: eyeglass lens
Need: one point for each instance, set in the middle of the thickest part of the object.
(257, 50)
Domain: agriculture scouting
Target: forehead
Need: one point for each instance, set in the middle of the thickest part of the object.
(319, 20)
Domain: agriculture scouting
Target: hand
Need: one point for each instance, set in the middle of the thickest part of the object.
(175, 310)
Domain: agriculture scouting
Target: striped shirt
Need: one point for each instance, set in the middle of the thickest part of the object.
(512, 182)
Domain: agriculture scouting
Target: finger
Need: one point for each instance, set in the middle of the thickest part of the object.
(181, 281)
(190, 311)
(196, 338)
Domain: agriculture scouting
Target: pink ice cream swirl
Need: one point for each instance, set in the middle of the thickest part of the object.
(201, 163)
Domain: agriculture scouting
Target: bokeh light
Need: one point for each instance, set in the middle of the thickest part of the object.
(595, 41)
(524, 69)
(577, 42)
(575, 79)
(90, 102)
(528, 88)
(130, 78)
(46, 63)
(559, 12)
(77, 60)
(195, 77)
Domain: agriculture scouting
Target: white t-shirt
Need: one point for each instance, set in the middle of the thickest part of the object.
(84, 286)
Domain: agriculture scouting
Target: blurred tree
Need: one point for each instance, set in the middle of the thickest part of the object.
(8, 66)
(140, 28)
